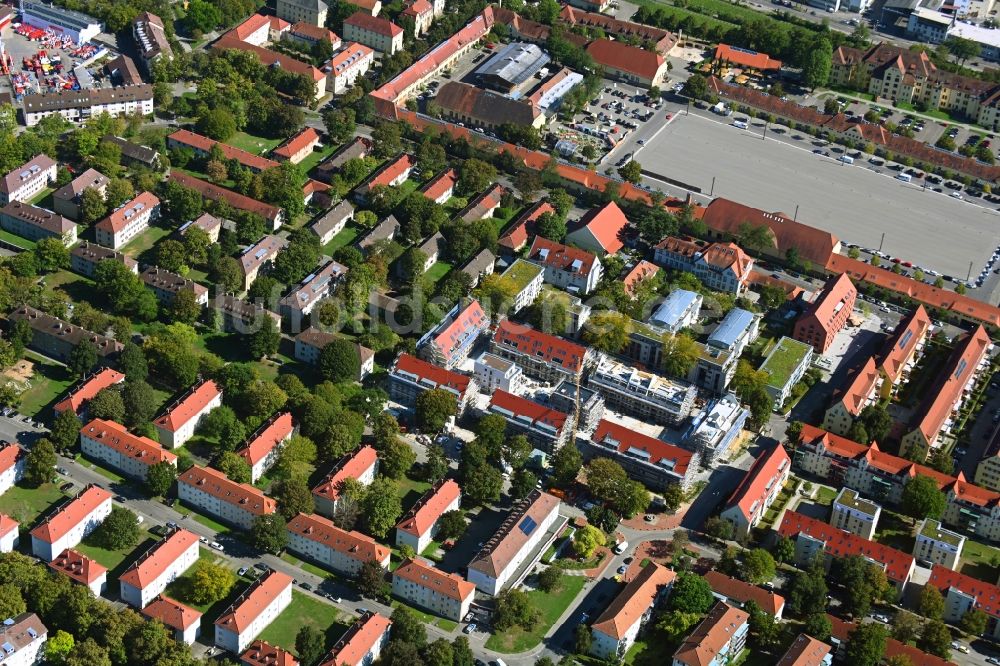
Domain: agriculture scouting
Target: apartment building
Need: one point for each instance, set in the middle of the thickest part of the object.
(9, 534)
(36, 223)
(27, 180)
(57, 338)
(348, 65)
(319, 540)
(652, 461)
(252, 611)
(258, 257)
(963, 593)
(81, 569)
(150, 40)
(12, 462)
(450, 342)
(600, 230)
(480, 266)
(541, 355)
(432, 248)
(360, 465)
(494, 372)
(828, 314)
(937, 545)
(571, 269)
(860, 390)
(85, 257)
(165, 285)
(333, 221)
(273, 214)
(261, 449)
(853, 514)
(185, 621)
(420, 524)
(70, 523)
(178, 423)
(568, 397)
(78, 106)
(113, 445)
(309, 11)
(440, 188)
(419, 583)
(66, 200)
(357, 148)
(615, 630)
(261, 653)
(785, 365)
(904, 347)
(146, 578)
(362, 644)
(679, 311)
(807, 651)
(299, 146)
(640, 273)
(316, 286)
(127, 221)
(738, 593)
(392, 173)
(544, 427)
(233, 503)
(720, 354)
(720, 266)
(641, 394)
(88, 387)
(718, 639)
(26, 636)
(527, 279)
(202, 147)
(207, 222)
(239, 316)
(757, 491)
(411, 376)
(309, 345)
(517, 545)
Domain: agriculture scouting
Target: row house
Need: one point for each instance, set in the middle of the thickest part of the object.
(34, 223)
(66, 200)
(720, 266)
(253, 611)
(165, 285)
(358, 148)
(183, 620)
(85, 257)
(721, 352)
(446, 594)
(262, 448)
(494, 372)
(259, 257)
(233, 503)
(963, 593)
(27, 180)
(480, 266)
(544, 427)
(128, 221)
(56, 338)
(239, 316)
(391, 174)
(360, 465)
(851, 513)
(348, 65)
(177, 425)
(641, 394)
(134, 153)
(274, 215)
(757, 491)
(87, 389)
(860, 390)
(527, 280)
(420, 524)
(411, 376)
(70, 523)
(719, 639)
(517, 234)
(113, 445)
(716, 429)
(937, 545)
(362, 644)
(652, 461)
(333, 222)
(450, 342)
(207, 222)
(151, 41)
(147, 577)
(77, 106)
(12, 461)
(542, 356)
(904, 347)
(319, 540)
(738, 593)
(441, 187)
(568, 268)
(433, 248)
(830, 312)
(300, 302)
(81, 569)
(616, 629)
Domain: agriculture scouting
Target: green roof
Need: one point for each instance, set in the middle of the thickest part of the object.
(649, 331)
(848, 497)
(522, 272)
(932, 530)
(786, 356)
(571, 303)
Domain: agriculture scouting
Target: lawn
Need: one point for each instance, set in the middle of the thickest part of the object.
(257, 145)
(305, 566)
(25, 505)
(16, 240)
(113, 559)
(304, 610)
(39, 199)
(411, 490)
(521, 273)
(649, 650)
(178, 588)
(103, 471)
(438, 271)
(407, 187)
(550, 606)
(206, 521)
(825, 495)
(427, 618)
(145, 241)
(345, 237)
(48, 384)
(895, 531)
(979, 561)
(317, 156)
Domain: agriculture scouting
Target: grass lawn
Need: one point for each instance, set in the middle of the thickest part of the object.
(146, 240)
(257, 145)
(411, 490)
(978, 561)
(306, 566)
(407, 187)
(550, 605)
(345, 237)
(304, 611)
(40, 198)
(178, 588)
(107, 473)
(438, 271)
(205, 520)
(649, 650)
(825, 495)
(317, 156)
(456, 204)
(113, 559)
(428, 618)
(25, 505)
(49, 383)
(16, 240)
(895, 531)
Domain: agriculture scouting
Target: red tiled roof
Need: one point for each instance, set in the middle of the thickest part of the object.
(238, 617)
(189, 406)
(528, 408)
(234, 39)
(71, 514)
(88, 389)
(264, 654)
(375, 24)
(351, 544)
(605, 223)
(215, 483)
(352, 53)
(117, 220)
(297, 143)
(441, 183)
(418, 7)
(746, 58)
(899, 349)
(838, 293)
(351, 466)
(838, 543)
(626, 439)
(216, 193)
(987, 595)
(472, 318)
(7, 524)
(860, 386)
(702, 646)
(516, 235)
(264, 442)
(363, 636)
(391, 171)
(452, 586)
(550, 348)
(662, 39)
(643, 270)
(841, 630)
(78, 566)
(624, 58)
(116, 437)
(737, 590)
(314, 32)
(433, 376)
(759, 480)
(158, 559)
(171, 613)
(806, 651)
(633, 601)
(561, 257)
(426, 512)
(10, 454)
(835, 444)
(205, 144)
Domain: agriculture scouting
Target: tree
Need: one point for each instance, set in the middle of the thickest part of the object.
(268, 533)
(496, 294)
(438, 653)
(807, 593)
(65, 430)
(436, 466)
(566, 464)
(551, 226)
(120, 530)
(52, 254)
(550, 578)
(310, 645)
(265, 340)
(39, 464)
(680, 354)
(234, 467)
(386, 140)
(339, 361)
(691, 594)
(764, 629)
(877, 422)
(451, 525)
(631, 171)
(587, 539)
(758, 566)
(936, 639)
(863, 582)
(818, 626)
(475, 176)
(371, 581)
(396, 458)
(293, 496)
(784, 549)
(107, 405)
(434, 408)
(898, 660)
(608, 331)
(931, 603)
(962, 49)
(482, 483)
(974, 622)
(160, 478)
(921, 498)
(866, 644)
(514, 608)
(906, 627)
(82, 358)
(339, 123)
(718, 528)
(132, 362)
(696, 87)
(522, 483)
(210, 583)
(673, 496)
(217, 123)
(818, 64)
(92, 206)
(58, 646)
(381, 507)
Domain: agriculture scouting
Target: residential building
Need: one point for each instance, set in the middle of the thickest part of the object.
(544, 427)
(354, 149)
(642, 394)
(570, 397)
(10, 536)
(150, 40)
(239, 316)
(516, 235)
(720, 266)
(233, 503)
(441, 187)
(786, 363)
(12, 461)
(573, 270)
(66, 200)
(480, 266)
(861, 389)
(853, 514)
(615, 630)
(333, 222)
(166, 285)
(85, 257)
(432, 248)
(362, 644)
(465, 103)
(261, 449)
(717, 640)
(36, 223)
(631, 64)
(652, 461)
(378, 33)
(599, 230)
(719, 355)
(146, 578)
(814, 536)
(807, 651)
(543, 356)
(308, 11)
(272, 214)
(309, 345)
(26, 636)
(417, 582)
(202, 147)
(314, 288)
(420, 524)
(679, 311)
(450, 342)
(904, 347)
(828, 314)
(494, 372)
(113, 445)
(662, 41)
(360, 465)
(185, 621)
(484, 205)
(349, 64)
(70, 523)
(27, 180)
(963, 593)
(86, 389)
(79, 105)
(842, 630)
(178, 423)
(411, 376)
(207, 222)
(298, 147)
(937, 545)
(756, 493)
(252, 611)
(934, 416)
(133, 153)
(738, 593)
(57, 338)
(517, 545)
(81, 569)
(642, 271)
(259, 257)
(261, 653)
(319, 540)
(127, 222)
(421, 12)
(391, 174)
(384, 230)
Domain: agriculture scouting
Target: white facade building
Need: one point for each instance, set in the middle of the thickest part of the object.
(159, 566)
(494, 372)
(27, 180)
(250, 614)
(26, 636)
(233, 503)
(178, 424)
(71, 523)
(441, 593)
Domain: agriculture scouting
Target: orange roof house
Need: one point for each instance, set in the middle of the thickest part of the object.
(392, 173)
(359, 464)
(530, 348)
(298, 147)
(736, 592)
(841, 631)
(211, 490)
(261, 449)
(343, 551)
(185, 621)
(828, 315)
(860, 390)
(202, 145)
(177, 425)
(648, 67)
(903, 345)
(449, 342)
(267, 596)
(81, 569)
(674, 464)
(130, 454)
(758, 490)
(261, 653)
(89, 387)
(423, 585)
(418, 525)
(719, 638)
(272, 214)
(416, 372)
(599, 230)
(745, 58)
(615, 629)
(362, 643)
(148, 576)
(639, 274)
(569, 267)
(806, 651)
(440, 188)
(57, 532)
(517, 233)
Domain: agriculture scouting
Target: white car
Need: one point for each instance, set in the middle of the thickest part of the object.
(215, 545)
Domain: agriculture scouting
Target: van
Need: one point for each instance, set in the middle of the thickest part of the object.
(620, 548)
(500, 662)
(846, 159)
(739, 124)
(905, 177)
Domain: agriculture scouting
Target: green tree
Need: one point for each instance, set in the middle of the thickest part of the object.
(434, 408)
(120, 530)
(587, 539)
(866, 644)
(407, 627)
(807, 592)
(482, 484)
(675, 625)
(962, 49)
(65, 430)
(818, 64)
(906, 627)
(293, 496)
(339, 361)
(40, 463)
(210, 583)
(269, 533)
(475, 176)
(877, 422)
(673, 496)
(931, 603)
(758, 566)
(381, 507)
(217, 123)
(160, 478)
(522, 483)
(140, 402)
(452, 525)
(462, 652)
(566, 464)
(58, 646)
(514, 609)
(234, 467)
(608, 331)
(550, 578)
(371, 581)
(310, 645)
(936, 639)
(386, 140)
(107, 405)
(691, 594)
(631, 171)
(818, 626)
(921, 498)
(974, 622)
(265, 340)
(92, 206)
(82, 358)
(551, 226)
(784, 550)
(696, 87)
(680, 354)
(863, 582)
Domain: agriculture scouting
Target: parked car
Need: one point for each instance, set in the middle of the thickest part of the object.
(469, 628)
(215, 545)
(243, 571)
